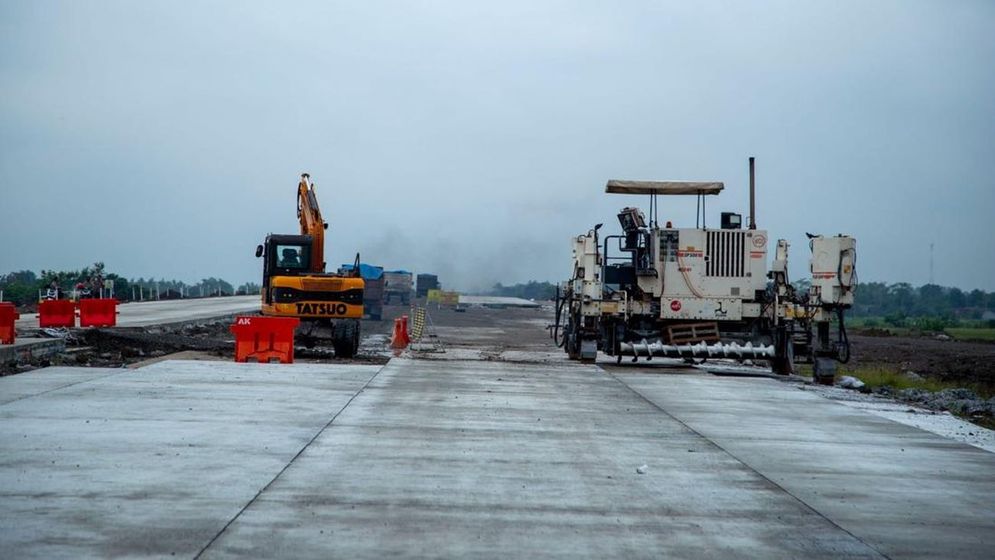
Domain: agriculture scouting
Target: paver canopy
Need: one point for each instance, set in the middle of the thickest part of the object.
(663, 187)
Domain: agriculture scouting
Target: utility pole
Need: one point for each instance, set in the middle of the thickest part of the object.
(930, 263)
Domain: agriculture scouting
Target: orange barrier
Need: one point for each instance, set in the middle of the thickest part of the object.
(56, 313)
(8, 316)
(264, 339)
(399, 339)
(98, 312)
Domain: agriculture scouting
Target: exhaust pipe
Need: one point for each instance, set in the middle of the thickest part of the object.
(753, 197)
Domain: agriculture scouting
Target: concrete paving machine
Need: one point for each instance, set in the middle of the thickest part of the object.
(295, 283)
(698, 293)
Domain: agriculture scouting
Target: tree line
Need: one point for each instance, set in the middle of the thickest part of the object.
(24, 287)
(529, 290)
(901, 304)
(872, 299)
(880, 299)
(895, 303)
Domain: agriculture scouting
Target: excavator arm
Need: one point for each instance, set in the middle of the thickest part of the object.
(311, 223)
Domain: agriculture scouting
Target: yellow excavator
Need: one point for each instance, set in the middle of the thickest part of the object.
(295, 283)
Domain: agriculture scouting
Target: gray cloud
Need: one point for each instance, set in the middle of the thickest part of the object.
(474, 141)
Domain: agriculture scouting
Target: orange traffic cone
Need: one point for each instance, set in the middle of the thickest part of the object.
(399, 339)
(404, 330)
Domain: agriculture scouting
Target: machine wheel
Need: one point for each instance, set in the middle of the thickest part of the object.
(824, 371)
(784, 353)
(572, 346)
(572, 335)
(345, 338)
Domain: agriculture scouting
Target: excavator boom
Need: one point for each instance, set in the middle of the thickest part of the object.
(311, 223)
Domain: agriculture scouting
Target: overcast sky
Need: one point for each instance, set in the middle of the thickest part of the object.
(474, 140)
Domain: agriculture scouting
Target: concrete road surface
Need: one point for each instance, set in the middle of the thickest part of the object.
(163, 312)
(905, 492)
(424, 458)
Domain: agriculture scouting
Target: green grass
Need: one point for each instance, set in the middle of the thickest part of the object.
(982, 334)
(880, 376)
(876, 376)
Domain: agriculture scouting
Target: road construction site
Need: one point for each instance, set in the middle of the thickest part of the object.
(488, 442)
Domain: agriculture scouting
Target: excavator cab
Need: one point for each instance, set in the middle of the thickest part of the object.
(284, 255)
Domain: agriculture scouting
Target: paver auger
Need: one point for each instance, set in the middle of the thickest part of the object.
(698, 293)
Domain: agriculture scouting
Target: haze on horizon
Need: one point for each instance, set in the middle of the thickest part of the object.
(473, 141)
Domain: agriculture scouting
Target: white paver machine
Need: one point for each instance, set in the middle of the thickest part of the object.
(699, 293)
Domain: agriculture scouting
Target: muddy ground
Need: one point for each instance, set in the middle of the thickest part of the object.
(212, 340)
(948, 360)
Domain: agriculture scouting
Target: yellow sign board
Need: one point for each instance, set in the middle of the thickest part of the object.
(449, 298)
(442, 297)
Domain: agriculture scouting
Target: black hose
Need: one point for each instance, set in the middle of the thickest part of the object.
(843, 353)
(556, 322)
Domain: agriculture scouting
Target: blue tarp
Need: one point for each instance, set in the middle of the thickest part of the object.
(366, 271)
(399, 271)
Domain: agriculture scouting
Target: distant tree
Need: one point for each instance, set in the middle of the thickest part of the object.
(932, 300)
(214, 286)
(19, 287)
(22, 287)
(956, 298)
(976, 298)
(529, 290)
(249, 288)
(902, 294)
(19, 277)
(875, 296)
(122, 288)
